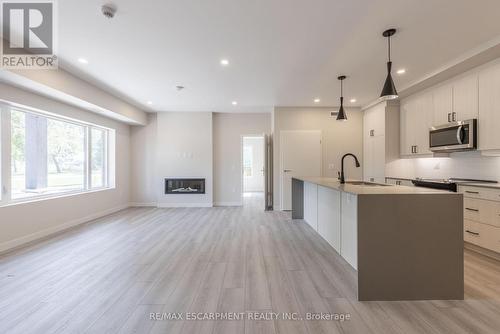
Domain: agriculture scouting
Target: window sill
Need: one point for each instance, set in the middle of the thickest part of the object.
(41, 198)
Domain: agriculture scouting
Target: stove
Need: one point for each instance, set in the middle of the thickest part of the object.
(450, 184)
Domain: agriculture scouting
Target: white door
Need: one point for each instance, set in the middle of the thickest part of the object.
(300, 156)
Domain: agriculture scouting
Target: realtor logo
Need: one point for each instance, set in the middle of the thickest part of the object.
(28, 30)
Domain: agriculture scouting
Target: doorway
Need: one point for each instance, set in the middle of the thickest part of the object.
(253, 148)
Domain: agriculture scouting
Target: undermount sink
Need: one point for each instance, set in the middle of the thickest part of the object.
(362, 183)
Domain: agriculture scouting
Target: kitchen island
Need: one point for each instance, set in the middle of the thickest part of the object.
(406, 243)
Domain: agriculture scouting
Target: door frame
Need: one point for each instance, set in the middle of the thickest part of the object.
(281, 174)
(242, 181)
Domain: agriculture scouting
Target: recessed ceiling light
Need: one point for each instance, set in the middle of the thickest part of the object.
(234, 103)
(224, 62)
(353, 100)
(316, 100)
(401, 71)
(149, 102)
(83, 60)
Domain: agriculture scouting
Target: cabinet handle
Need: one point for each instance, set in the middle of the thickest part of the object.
(475, 210)
(454, 116)
(449, 117)
(372, 133)
(472, 192)
(473, 233)
(416, 148)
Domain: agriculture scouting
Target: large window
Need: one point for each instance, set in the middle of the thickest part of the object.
(50, 155)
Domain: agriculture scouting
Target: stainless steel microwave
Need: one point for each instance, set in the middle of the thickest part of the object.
(454, 137)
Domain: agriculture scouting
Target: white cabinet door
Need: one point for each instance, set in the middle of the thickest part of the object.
(376, 120)
(374, 158)
(465, 98)
(422, 121)
(442, 104)
(349, 229)
(367, 158)
(378, 158)
(311, 204)
(489, 108)
(407, 139)
(329, 216)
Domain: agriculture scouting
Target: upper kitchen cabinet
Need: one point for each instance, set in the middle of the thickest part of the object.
(407, 113)
(489, 108)
(442, 104)
(456, 100)
(465, 98)
(380, 139)
(416, 119)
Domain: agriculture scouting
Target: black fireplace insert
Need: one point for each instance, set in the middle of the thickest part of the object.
(184, 186)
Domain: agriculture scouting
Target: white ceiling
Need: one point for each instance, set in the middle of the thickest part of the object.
(281, 52)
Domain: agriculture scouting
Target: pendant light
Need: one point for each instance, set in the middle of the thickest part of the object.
(389, 91)
(341, 116)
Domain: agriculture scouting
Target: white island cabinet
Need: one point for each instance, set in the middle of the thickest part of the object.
(329, 216)
(311, 205)
(333, 215)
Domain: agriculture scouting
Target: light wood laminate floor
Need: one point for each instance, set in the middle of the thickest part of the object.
(110, 275)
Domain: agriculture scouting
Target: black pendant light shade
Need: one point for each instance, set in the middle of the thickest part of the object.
(389, 91)
(341, 116)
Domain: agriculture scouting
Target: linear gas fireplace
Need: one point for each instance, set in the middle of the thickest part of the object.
(184, 186)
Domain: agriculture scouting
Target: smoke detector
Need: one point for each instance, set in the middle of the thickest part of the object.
(108, 10)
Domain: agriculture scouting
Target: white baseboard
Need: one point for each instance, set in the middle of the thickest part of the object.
(9, 245)
(138, 204)
(185, 205)
(228, 204)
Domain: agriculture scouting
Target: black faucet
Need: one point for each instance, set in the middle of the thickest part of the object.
(341, 177)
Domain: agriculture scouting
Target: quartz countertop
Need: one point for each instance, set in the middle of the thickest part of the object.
(385, 189)
(398, 178)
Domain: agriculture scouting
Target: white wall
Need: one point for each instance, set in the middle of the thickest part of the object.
(338, 138)
(255, 182)
(143, 163)
(184, 149)
(228, 129)
(21, 223)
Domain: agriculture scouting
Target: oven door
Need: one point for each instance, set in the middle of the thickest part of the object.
(459, 136)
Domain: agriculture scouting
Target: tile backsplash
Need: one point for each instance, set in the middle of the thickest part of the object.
(463, 165)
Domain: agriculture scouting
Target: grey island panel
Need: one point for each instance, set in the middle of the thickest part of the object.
(410, 247)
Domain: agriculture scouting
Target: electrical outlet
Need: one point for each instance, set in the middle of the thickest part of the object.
(331, 166)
